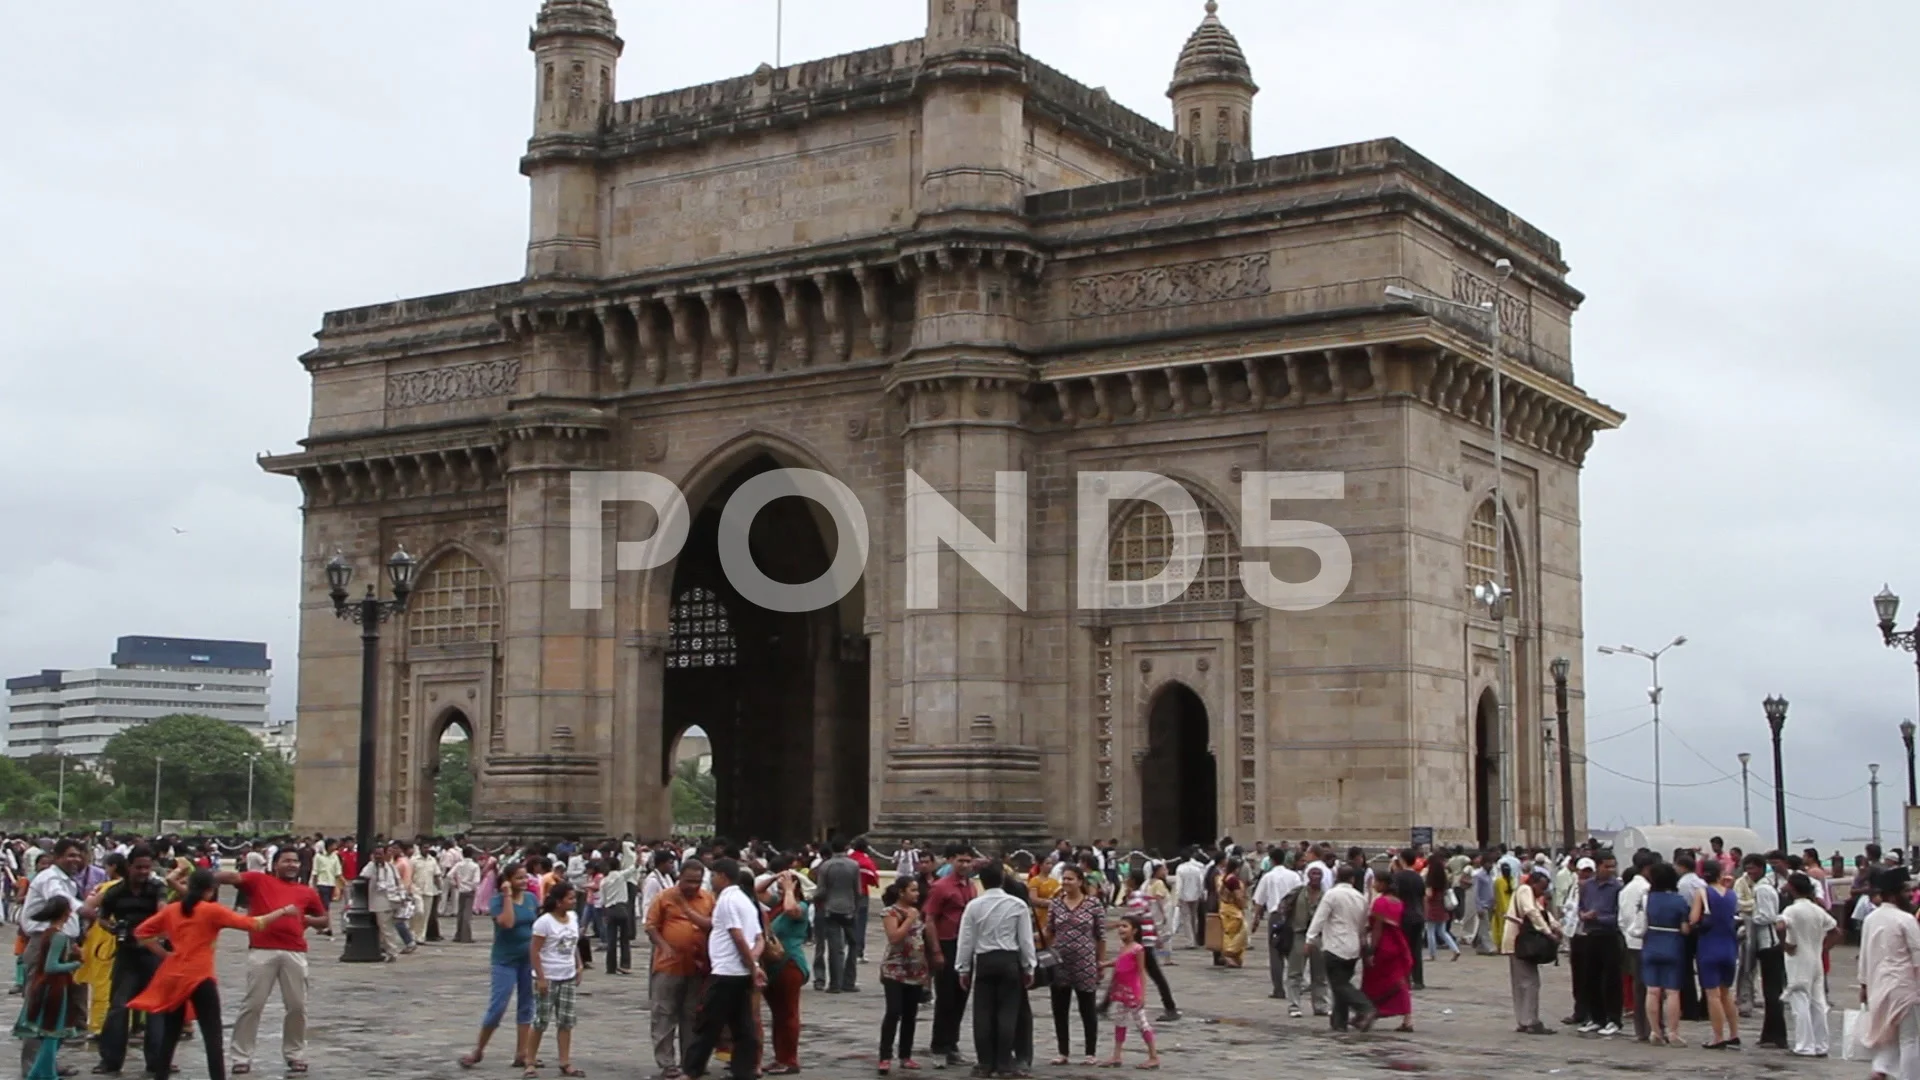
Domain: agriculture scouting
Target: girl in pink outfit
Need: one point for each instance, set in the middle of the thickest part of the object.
(1128, 993)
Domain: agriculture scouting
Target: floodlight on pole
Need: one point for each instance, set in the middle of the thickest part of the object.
(1494, 594)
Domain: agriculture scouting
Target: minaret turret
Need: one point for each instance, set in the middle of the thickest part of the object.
(575, 53)
(1212, 94)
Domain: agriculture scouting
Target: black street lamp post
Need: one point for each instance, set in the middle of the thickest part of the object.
(1906, 834)
(1561, 667)
(1776, 707)
(363, 933)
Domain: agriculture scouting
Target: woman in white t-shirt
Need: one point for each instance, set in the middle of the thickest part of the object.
(556, 972)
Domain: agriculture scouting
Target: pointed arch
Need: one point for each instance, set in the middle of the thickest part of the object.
(1141, 543)
(1479, 554)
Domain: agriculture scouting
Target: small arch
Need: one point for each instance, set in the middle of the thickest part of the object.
(1179, 774)
(1485, 768)
(452, 771)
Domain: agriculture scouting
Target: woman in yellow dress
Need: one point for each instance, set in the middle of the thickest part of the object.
(1502, 899)
(1233, 916)
(1042, 887)
(96, 952)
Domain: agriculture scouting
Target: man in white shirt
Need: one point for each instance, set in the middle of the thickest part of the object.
(1808, 931)
(60, 879)
(1339, 930)
(1633, 931)
(733, 950)
(1764, 944)
(1270, 903)
(426, 890)
(662, 877)
(462, 882)
(995, 960)
(1190, 881)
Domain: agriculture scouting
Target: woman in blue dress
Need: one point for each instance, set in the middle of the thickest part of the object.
(1663, 957)
(1715, 922)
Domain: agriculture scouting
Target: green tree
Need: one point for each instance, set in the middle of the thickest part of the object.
(693, 794)
(72, 791)
(203, 770)
(453, 786)
(19, 791)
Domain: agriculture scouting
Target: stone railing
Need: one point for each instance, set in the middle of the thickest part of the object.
(478, 301)
(711, 103)
(1075, 101)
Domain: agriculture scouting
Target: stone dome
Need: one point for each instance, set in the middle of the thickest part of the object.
(1212, 55)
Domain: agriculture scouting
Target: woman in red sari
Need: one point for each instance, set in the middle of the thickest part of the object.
(1389, 956)
(183, 987)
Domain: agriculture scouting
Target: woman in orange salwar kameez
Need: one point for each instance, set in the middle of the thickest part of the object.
(183, 988)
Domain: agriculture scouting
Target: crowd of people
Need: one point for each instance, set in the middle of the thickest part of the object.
(116, 941)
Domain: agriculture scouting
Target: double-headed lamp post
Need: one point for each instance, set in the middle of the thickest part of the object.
(251, 758)
(1746, 803)
(368, 612)
(1776, 707)
(1494, 594)
(1654, 694)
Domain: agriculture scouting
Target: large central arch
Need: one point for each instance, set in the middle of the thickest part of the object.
(781, 695)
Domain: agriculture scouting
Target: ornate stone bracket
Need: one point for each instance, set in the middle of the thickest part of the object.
(795, 317)
(873, 304)
(834, 315)
(754, 303)
(719, 329)
(685, 346)
(1451, 382)
(397, 470)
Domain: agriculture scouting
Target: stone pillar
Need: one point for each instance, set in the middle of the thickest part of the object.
(559, 662)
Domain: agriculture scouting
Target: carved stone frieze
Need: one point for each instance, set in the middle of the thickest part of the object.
(460, 382)
(1172, 286)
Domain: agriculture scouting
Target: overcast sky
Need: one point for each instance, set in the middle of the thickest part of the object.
(188, 186)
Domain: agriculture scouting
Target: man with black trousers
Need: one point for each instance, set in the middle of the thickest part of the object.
(1411, 890)
(1598, 945)
(1768, 956)
(995, 952)
(733, 951)
(945, 904)
(122, 908)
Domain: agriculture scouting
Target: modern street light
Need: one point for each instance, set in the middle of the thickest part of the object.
(251, 758)
(1492, 594)
(1746, 803)
(363, 934)
(1873, 782)
(60, 800)
(1654, 694)
(1776, 708)
(156, 794)
(1561, 668)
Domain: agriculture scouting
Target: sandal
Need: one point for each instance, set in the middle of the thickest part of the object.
(241, 1069)
(530, 1074)
(468, 1061)
(1148, 1065)
(1062, 1061)
(296, 1068)
(568, 1070)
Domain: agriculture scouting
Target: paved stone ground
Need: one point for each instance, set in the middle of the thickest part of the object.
(414, 1018)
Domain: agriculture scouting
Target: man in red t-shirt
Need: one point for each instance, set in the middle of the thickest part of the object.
(276, 955)
(869, 877)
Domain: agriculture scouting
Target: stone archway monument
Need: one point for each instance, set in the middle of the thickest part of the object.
(921, 270)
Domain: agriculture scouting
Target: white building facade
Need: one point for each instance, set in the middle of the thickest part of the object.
(75, 712)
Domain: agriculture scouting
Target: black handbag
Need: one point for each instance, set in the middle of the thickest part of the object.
(1046, 966)
(1535, 947)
